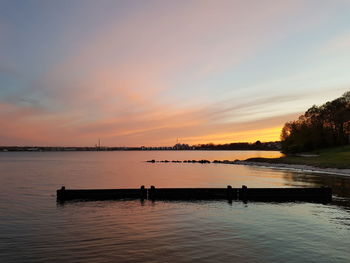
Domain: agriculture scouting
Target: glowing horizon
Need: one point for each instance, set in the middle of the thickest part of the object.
(147, 72)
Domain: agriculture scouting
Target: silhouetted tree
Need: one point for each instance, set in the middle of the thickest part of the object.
(324, 126)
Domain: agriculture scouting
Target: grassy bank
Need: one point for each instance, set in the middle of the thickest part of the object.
(327, 158)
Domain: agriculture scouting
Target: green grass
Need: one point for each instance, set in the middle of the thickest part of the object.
(338, 157)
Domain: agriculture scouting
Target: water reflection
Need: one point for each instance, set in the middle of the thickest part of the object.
(179, 231)
(132, 231)
(340, 185)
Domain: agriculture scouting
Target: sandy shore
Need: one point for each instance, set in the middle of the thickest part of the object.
(297, 167)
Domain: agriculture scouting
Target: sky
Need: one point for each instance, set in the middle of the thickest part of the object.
(150, 73)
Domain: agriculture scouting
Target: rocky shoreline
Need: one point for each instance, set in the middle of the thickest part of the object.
(281, 166)
(297, 167)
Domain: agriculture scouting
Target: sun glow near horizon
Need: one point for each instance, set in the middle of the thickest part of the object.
(250, 136)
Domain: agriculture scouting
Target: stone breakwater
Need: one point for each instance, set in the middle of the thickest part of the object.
(191, 161)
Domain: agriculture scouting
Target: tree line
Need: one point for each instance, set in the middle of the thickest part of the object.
(319, 127)
(268, 146)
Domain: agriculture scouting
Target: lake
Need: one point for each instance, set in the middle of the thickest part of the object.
(35, 228)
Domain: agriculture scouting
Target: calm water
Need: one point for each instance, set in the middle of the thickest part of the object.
(34, 228)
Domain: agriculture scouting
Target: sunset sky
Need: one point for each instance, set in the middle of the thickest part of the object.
(148, 72)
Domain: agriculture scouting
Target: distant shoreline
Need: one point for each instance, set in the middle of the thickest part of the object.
(111, 149)
(236, 146)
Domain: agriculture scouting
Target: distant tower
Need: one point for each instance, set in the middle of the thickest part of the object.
(99, 143)
(177, 143)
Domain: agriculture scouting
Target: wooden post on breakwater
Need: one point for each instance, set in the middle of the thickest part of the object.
(322, 194)
(152, 193)
(229, 193)
(61, 193)
(143, 193)
(243, 193)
